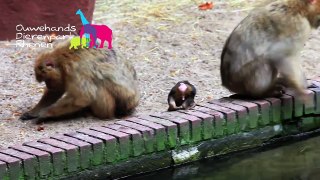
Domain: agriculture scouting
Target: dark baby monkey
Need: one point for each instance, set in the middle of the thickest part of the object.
(182, 94)
(261, 56)
(95, 79)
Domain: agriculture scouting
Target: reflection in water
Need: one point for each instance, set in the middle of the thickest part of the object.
(298, 161)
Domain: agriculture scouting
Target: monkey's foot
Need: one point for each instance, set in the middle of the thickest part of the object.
(172, 108)
(27, 116)
(279, 90)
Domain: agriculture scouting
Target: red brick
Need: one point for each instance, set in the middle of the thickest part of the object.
(136, 136)
(310, 105)
(14, 166)
(228, 113)
(111, 150)
(58, 155)
(183, 126)
(84, 148)
(171, 128)
(29, 162)
(122, 138)
(73, 163)
(147, 133)
(286, 107)
(252, 110)
(160, 131)
(275, 109)
(241, 113)
(219, 121)
(265, 111)
(317, 99)
(195, 122)
(97, 147)
(44, 159)
(297, 103)
(207, 122)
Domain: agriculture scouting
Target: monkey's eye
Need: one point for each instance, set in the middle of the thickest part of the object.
(41, 68)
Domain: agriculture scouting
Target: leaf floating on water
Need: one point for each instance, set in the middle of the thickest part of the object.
(206, 6)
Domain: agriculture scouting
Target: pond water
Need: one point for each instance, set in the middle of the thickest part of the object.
(295, 161)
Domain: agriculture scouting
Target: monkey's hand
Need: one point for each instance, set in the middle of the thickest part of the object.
(28, 116)
(171, 108)
(188, 103)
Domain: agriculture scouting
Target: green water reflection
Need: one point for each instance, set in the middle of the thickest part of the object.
(297, 161)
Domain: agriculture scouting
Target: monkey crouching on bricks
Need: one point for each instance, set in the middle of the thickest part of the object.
(97, 79)
(261, 56)
(182, 94)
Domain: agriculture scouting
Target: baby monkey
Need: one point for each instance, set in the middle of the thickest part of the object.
(261, 56)
(182, 94)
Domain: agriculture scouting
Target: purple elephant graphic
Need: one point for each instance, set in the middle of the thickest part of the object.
(103, 32)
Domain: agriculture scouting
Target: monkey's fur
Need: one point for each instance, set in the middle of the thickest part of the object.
(98, 79)
(261, 56)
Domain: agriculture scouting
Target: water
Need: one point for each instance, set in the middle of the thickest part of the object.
(296, 161)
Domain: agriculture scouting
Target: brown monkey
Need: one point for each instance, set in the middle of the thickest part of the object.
(182, 94)
(261, 56)
(97, 79)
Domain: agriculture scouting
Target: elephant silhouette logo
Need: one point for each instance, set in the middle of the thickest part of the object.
(89, 33)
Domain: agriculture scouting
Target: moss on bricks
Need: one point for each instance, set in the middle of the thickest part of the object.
(252, 113)
(229, 115)
(97, 147)
(4, 171)
(308, 124)
(219, 122)
(207, 122)
(184, 131)
(159, 131)
(147, 134)
(171, 129)
(241, 113)
(136, 138)
(195, 125)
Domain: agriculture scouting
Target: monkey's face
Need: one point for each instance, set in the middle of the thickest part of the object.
(49, 73)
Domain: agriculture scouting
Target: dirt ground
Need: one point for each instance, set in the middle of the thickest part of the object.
(167, 41)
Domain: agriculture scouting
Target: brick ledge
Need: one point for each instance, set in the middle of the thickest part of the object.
(149, 142)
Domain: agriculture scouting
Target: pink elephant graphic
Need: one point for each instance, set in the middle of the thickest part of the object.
(103, 32)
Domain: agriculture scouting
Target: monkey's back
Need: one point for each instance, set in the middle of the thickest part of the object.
(268, 33)
(96, 67)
